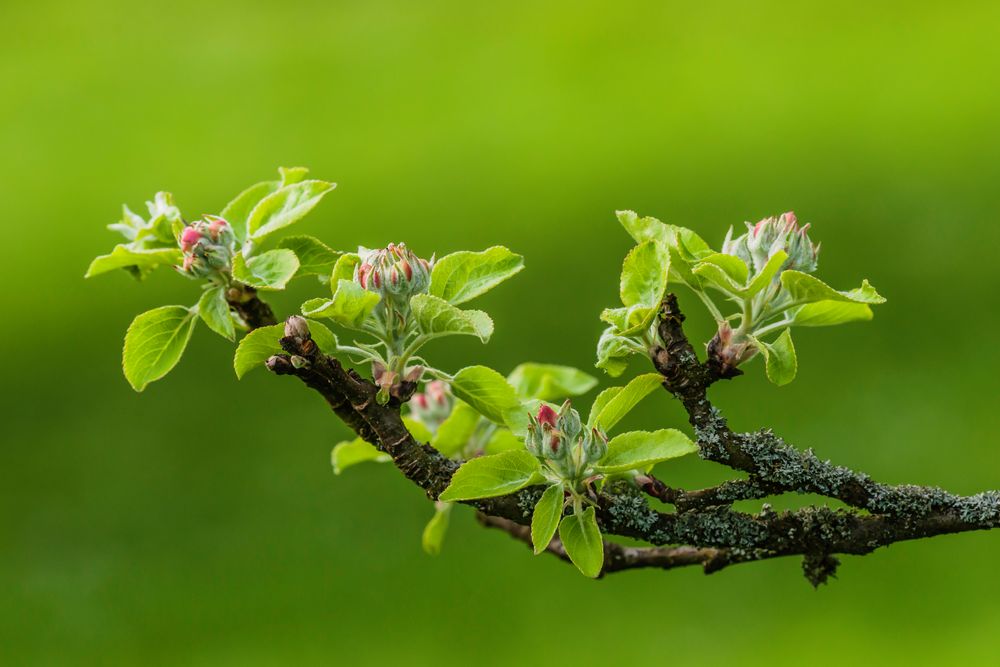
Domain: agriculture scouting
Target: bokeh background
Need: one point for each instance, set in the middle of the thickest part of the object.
(199, 523)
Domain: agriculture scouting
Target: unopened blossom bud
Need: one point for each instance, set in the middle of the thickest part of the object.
(546, 415)
(208, 247)
(432, 406)
(595, 445)
(297, 327)
(569, 422)
(762, 240)
(394, 272)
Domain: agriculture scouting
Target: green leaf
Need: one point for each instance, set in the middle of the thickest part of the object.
(613, 352)
(548, 382)
(828, 313)
(766, 275)
(350, 306)
(292, 175)
(602, 400)
(315, 257)
(257, 347)
(545, 518)
(417, 429)
(735, 271)
(144, 260)
(237, 212)
(353, 452)
(436, 529)
(214, 311)
(285, 206)
(644, 275)
(582, 538)
(263, 342)
(495, 475)
(637, 450)
(269, 270)
(487, 392)
(645, 229)
(155, 342)
(621, 403)
(806, 288)
(781, 362)
(436, 317)
(343, 269)
(462, 276)
(503, 440)
(455, 432)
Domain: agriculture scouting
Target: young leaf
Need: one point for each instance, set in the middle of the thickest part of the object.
(548, 382)
(237, 212)
(781, 362)
(155, 342)
(545, 518)
(732, 267)
(350, 306)
(436, 529)
(496, 475)
(343, 269)
(285, 206)
(806, 288)
(612, 352)
(828, 313)
(353, 452)
(644, 275)
(454, 432)
(486, 391)
(257, 347)
(214, 311)
(766, 275)
(269, 270)
(602, 400)
(123, 257)
(292, 175)
(622, 402)
(503, 440)
(315, 257)
(582, 538)
(260, 344)
(638, 449)
(644, 229)
(436, 317)
(462, 276)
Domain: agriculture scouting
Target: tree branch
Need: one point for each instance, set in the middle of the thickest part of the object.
(705, 530)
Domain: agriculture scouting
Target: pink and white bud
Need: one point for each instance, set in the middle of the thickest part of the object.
(769, 236)
(432, 406)
(208, 246)
(394, 272)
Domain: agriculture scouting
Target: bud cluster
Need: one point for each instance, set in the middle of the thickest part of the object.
(564, 442)
(767, 237)
(432, 406)
(207, 245)
(394, 272)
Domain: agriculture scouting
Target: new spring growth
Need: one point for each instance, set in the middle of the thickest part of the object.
(561, 441)
(731, 347)
(762, 240)
(432, 406)
(207, 245)
(393, 272)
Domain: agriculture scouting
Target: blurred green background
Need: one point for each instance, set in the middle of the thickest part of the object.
(199, 523)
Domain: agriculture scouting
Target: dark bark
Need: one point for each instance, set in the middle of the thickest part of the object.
(255, 312)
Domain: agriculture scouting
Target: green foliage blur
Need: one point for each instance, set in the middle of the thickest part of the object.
(199, 523)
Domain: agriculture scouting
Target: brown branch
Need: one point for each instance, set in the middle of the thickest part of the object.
(255, 312)
(705, 529)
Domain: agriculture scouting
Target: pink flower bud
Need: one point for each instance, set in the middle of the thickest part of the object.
(216, 226)
(547, 415)
(189, 237)
(421, 401)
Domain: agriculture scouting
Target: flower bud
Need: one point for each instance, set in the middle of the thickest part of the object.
(569, 422)
(595, 445)
(297, 327)
(208, 247)
(767, 237)
(393, 272)
(432, 406)
(726, 351)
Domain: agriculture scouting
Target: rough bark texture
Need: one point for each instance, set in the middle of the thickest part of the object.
(704, 530)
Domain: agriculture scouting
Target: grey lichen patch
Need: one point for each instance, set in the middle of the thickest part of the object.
(629, 510)
(910, 501)
(982, 509)
(719, 527)
(528, 498)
